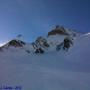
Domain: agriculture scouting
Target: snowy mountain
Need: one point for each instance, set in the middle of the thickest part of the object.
(52, 70)
(60, 30)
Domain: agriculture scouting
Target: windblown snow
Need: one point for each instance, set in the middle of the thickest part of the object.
(49, 71)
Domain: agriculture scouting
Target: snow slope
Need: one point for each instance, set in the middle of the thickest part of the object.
(49, 71)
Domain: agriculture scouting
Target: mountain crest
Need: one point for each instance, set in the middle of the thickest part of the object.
(60, 30)
(57, 37)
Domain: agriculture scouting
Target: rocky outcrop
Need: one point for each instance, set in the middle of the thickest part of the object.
(60, 30)
(16, 43)
(40, 41)
(13, 43)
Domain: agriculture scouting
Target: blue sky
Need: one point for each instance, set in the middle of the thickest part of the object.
(33, 18)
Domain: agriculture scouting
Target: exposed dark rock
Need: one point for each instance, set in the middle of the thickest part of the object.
(16, 43)
(41, 42)
(58, 30)
(40, 50)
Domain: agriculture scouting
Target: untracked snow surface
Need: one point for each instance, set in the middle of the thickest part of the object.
(49, 71)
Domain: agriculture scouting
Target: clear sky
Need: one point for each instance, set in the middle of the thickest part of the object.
(33, 18)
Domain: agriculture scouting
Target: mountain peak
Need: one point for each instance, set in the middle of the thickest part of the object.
(60, 30)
